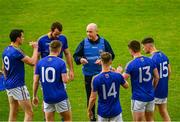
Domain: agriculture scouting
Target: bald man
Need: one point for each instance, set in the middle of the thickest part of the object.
(88, 54)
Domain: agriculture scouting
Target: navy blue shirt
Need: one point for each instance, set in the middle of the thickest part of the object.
(79, 53)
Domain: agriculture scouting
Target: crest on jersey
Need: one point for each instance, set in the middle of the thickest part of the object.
(49, 59)
(107, 75)
(142, 59)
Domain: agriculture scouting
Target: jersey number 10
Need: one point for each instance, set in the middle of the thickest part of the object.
(45, 74)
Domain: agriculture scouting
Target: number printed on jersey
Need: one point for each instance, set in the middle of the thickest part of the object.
(163, 69)
(144, 74)
(6, 63)
(48, 74)
(111, 92)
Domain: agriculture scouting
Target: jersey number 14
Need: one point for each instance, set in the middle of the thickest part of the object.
(111, 92)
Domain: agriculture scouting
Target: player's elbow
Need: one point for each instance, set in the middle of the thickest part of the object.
(126, 85)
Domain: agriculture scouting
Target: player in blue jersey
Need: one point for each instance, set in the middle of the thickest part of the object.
(13, 67)
(107, 86)
(51, 71)
(88, 53)
(56, 34)
(164, 69)
(144, 78)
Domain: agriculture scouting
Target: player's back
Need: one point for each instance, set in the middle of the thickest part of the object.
(161, 61)
(50, 69)
(141, 72)
(107, 85)
(14, 67)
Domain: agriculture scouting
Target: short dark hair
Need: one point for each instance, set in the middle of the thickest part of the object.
(106, 57)
(134, 45)
(147, 40)
(57, 25)
(15, 33)
(55, 45)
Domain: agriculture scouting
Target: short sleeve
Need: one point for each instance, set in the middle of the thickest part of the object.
(94, 84)
(63, 68)
(19, 54)
(37, 72)
(128, 68)
(39, 46)
(121, 78)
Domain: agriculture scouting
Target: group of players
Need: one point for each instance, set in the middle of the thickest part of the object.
(149, 77)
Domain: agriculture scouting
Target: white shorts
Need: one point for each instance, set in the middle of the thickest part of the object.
(117, 118)
(139, 106)
(19, 93)
(59, 107)
(160, 100)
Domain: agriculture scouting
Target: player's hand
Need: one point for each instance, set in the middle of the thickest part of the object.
(90, 114)
(71, 75)
(113, 69)
(98, 61)
(119, 69)
(83, 61)
(33, 44)
(35, 101)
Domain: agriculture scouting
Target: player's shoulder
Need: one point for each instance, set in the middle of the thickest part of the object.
(62, 37)
(130, 62)
(41, 38)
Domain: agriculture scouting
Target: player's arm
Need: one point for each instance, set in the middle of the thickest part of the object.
(64, 77)
(32, 60)
(156, 77)
(35, 89)
(3, 70)
(69, 61)
(169, 71)
(92, 101)
(125, 75)
(125, 85)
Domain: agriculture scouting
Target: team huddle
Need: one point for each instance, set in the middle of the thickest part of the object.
(148, 75)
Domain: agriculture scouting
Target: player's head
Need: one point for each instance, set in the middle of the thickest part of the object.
(92, 31)
(56, 29)
(17, 35)
(148, 44)
(106, 58)
(134, 47)
(55, 47)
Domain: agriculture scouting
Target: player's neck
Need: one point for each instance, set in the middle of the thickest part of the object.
(105, 68)
(16, 45)
(53, 54)
(136, 55)
(153, 50)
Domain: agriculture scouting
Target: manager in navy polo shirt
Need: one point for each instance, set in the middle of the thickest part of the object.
(88, 54)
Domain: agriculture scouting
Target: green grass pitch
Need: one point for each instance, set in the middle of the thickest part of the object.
(119, 21)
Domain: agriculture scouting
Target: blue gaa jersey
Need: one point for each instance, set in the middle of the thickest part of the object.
(49, 70)
(161, 61)
(107, 85)
(141, 71)
(14, 67)
(43, 45)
